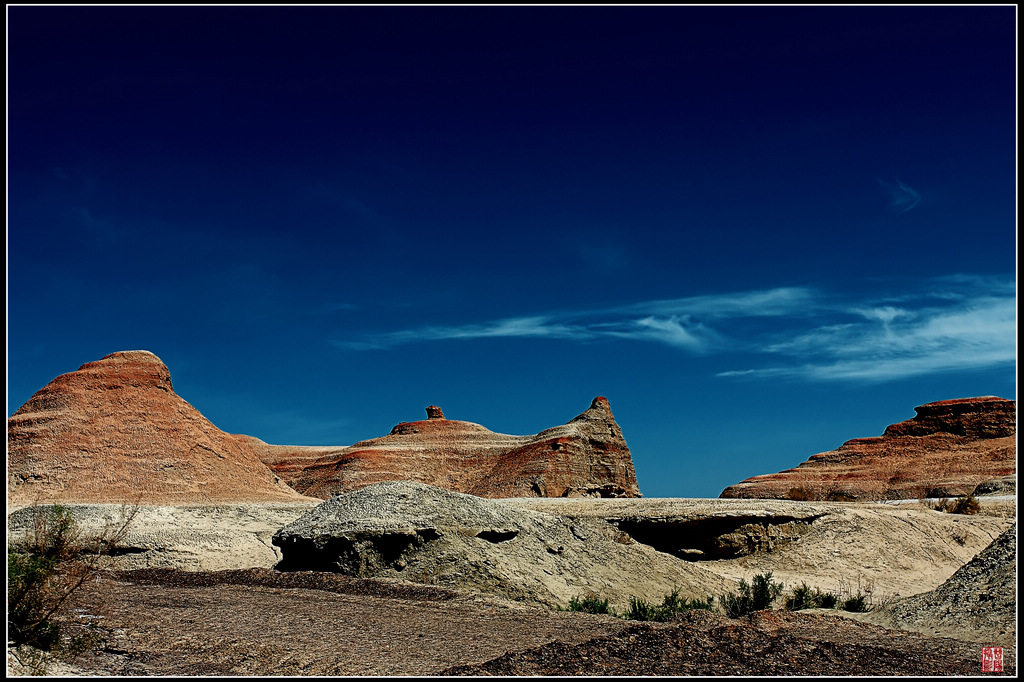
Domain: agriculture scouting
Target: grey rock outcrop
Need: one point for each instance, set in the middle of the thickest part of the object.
(416, 532)
(979, 601)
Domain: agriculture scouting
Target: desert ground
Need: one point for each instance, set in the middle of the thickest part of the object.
(195, 592)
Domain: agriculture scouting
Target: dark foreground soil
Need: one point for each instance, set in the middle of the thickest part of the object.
(261, 622)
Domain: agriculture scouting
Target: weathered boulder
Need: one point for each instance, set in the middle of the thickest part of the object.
(948, 449)
(421, 533)
(115, 431)
(587, 457)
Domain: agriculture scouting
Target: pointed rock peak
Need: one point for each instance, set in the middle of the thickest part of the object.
(599, 410)
(434, 412)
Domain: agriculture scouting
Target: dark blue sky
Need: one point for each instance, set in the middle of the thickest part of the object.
(759, 231)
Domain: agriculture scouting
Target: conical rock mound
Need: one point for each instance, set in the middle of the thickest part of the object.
(115, 431)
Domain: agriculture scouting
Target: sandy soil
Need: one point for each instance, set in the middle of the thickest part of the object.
(260, 622)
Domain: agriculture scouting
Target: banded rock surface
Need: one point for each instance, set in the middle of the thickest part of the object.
(586, 457)
(947, 449)
(115, 431)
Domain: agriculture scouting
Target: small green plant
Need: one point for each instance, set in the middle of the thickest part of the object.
(828, 600)
(590, 604)
(756, 596)
(804, 597)
(671, 606)
(856, 603)
(52, 562)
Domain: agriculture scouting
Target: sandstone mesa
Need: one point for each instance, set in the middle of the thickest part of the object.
(948, 449)
(115, 431)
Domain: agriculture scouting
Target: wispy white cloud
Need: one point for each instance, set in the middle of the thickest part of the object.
(891, 343)
(681, 323)
(901, 197)
(948, 325)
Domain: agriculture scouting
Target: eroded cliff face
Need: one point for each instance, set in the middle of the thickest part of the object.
(587, 456)
(947, 449)
(115, 431)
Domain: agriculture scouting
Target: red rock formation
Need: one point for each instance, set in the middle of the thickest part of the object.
(115, 431)
(947, 449)
(585, 457)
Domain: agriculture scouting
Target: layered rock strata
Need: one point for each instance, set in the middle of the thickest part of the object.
(115, 431)
(947, 449)
(586, 457)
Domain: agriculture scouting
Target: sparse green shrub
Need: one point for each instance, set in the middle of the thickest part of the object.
(641, 609)
(856, 603)
(804, 597)
(671, 606)
(35, 588)
(757, 596)
(590, 604)
(51, 562)
(828, 600)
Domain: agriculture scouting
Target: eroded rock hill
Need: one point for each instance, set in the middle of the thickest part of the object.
(115, 431)
(947, 449)
(586, 457)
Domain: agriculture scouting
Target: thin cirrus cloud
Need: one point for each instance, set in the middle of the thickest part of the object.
(950, 324)
(902, 198)
(683, 323)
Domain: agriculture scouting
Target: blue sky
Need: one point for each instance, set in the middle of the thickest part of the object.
(759, 231)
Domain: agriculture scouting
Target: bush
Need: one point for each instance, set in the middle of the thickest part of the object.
(590, 604)
(828, 600)
(752, 597)
(45, 569)
(965, 505)
(857, 604)
(961, 505)
(804, 597)
(671, 606)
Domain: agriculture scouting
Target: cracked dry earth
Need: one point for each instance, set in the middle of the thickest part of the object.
(262, 622)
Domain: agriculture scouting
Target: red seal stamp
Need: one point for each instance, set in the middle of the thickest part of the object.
(992, 659)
